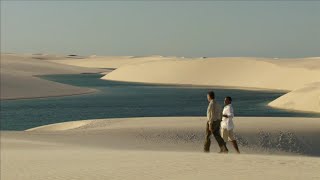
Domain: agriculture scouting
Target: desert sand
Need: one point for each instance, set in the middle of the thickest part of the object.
(19, 81)
(161, 148)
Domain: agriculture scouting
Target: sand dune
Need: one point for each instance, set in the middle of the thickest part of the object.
(252, 73)
(232, 72)
(161, 148)
(61, 126)
(236, 72)
(109, 61)
(303, 99)
(309, 63)
(18, 77)
(254, 133)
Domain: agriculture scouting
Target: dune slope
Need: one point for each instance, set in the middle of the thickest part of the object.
(18, 77)
(254, 133)
(303, 99)
(161, 148)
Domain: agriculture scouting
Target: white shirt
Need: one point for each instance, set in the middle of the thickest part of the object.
(227, 123)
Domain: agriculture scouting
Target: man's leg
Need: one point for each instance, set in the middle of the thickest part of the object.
(217, 136)
(207, 142)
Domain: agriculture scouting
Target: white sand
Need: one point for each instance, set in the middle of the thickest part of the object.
(18, 77)
(161, 148)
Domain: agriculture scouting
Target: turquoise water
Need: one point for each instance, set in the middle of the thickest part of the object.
(120, 99)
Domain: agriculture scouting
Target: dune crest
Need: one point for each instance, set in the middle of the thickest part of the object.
(109, 61)
(61, 126)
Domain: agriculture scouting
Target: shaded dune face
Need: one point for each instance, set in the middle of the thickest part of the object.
(254, 134)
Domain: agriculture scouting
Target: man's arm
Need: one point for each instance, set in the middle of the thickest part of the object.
(210, 114)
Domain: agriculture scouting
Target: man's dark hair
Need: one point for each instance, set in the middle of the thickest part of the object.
(229, 98)
(211, 94)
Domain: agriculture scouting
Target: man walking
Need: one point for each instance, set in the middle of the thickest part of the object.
(214, 114)
(227, 123)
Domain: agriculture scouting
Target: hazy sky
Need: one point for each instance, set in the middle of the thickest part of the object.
(191, 29)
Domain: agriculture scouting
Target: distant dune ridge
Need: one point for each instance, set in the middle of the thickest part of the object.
(108, 62)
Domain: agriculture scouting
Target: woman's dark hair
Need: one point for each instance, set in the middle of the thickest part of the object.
(229, 98)
(211, 94)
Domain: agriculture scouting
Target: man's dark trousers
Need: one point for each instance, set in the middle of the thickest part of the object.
(215, 126)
